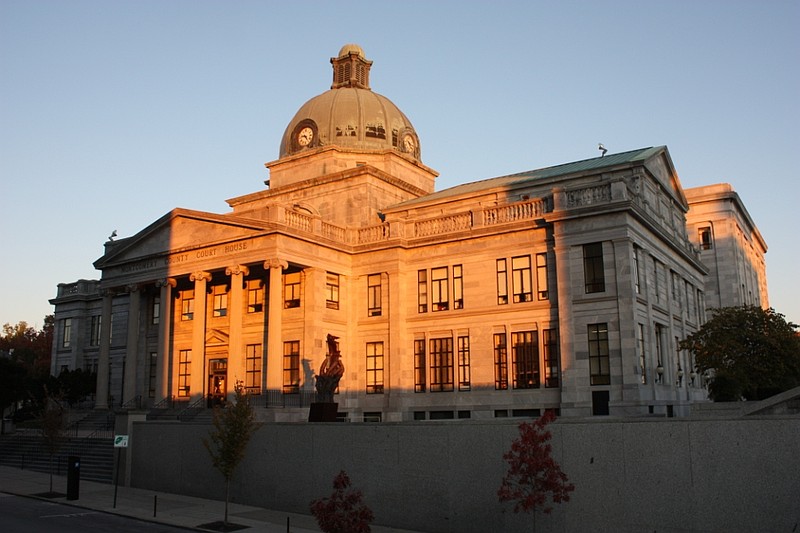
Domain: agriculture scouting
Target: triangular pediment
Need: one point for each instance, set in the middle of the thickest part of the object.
(180, 229)
(661, 167)
(216, 338)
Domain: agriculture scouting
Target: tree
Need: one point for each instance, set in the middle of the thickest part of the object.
(748, 352)
(12, 385)
(234, 424)
(344, 511)
(532, 471)
(51, 420)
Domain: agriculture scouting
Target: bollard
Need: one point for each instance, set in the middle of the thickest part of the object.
(155, 504)
(287, 524)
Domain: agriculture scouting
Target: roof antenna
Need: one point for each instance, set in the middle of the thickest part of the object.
(602, 149)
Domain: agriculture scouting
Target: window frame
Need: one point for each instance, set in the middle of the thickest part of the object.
(440, 294)
(458, 287)
(187, 305)
(599, 354)
(375, 360)
(66, 333)
(542, 277)
(420, 366)
(464, 377)
(550, 350)
(331, 290)
(525, 369)
(374, 295)
(253, 368)
(255, 296)
(184, 373)
(441, 364)
(291, 367)
(521, 279)
(500, 361)
(219, 300)
(292, 293)
(593, 268)
(422, 291)
(502, 281)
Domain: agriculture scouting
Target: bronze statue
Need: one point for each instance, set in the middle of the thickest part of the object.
(330, 372)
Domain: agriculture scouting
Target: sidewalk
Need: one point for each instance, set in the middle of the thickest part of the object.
(172, 509)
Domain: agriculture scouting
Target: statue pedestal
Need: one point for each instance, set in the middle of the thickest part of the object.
(323, 412)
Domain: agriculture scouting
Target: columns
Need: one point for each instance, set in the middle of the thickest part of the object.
(164, 321)
(236, 356)
(274, 324)
(198, 367)
(132, 345)
(101, 401)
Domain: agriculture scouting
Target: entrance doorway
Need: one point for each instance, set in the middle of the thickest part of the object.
(217, 378)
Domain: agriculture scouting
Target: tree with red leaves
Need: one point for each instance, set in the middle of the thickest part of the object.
(344, 511)
(532, 471)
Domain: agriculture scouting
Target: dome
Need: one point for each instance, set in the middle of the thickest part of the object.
(350, 115)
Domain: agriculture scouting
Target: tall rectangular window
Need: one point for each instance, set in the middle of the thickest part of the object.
(500, 362)
(676, 290)
(441, 364)
(291, 290)
(594, 275)
(156, 313)
(332, 290)
(187, 305)
(704, 235)
(521, 278)
(550, 348)
(374, 368)
(66, 332)
(252, 369)
(374, 295)
(541, 277)
(420, 367)
(422, 291)
(637, 278)
(599, 364)
(255, 296)
(184, 372)
(464, 382)
(96, 327)
(641, 348)
(291, 367)
(525, 360)
(440, 299)
(151, 375)
(220, 301)
(502, 282)
(458, 287)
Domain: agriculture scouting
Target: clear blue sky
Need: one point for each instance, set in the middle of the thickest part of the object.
(112, 113)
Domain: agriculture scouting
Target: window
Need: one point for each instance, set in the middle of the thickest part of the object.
(187, 305)
(458, 287)
(502, 282)
(374, 368)
(599, 369)
(656, 284)
(704, 235)
(593, 267)
(550, 347)
(422, 291)
(151, 375)
(640, 344)
(676, 290)
(439, 295)
(96, 327)
(252, 369)
(255, 296)
(220, 301)
(521, 278)
(500, 362)
(291, 367)
(66, 332)
(420, 368)
(332, 290)
(441, 364)
(463, 363)
(291, 290)
(156, 310)
(525, 360)
(184, 372)
(637, 278)
(374, 295)
(541, 277)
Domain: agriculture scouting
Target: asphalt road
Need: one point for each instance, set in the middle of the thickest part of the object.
(28, 515)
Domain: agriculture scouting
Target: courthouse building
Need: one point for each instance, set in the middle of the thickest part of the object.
(564, 288)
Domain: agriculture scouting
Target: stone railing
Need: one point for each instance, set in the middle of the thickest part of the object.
(372, 233)
(445, 224)
(517, 211)
(598, 194)
(299, 221)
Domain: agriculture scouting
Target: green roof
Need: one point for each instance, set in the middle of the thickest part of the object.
(596, 163)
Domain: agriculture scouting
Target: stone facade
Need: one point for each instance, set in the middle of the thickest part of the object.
(561, 288)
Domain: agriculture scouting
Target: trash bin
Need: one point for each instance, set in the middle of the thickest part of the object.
(73, 477)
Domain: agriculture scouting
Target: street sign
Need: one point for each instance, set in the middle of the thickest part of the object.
(120, 441)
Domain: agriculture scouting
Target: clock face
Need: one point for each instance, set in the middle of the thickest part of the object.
(409, 145)
(305, 136)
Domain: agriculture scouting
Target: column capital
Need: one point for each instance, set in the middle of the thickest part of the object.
(275, 263)
(201, 275)
(166, 282)
(132, 287)
(237, 269)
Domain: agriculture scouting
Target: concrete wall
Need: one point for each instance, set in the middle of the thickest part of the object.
(665, 475)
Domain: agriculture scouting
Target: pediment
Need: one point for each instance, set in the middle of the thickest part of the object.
(661, 167)
(180, 229)
(216, 338)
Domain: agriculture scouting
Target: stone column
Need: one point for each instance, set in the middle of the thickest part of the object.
(274, 325)
(164, 322)
(236, 355)
(131, 345)
(198, 368)
(103, 363)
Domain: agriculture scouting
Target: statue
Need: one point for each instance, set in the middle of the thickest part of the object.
(330, 372)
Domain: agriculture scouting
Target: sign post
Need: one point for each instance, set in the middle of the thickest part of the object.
(120, 441)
